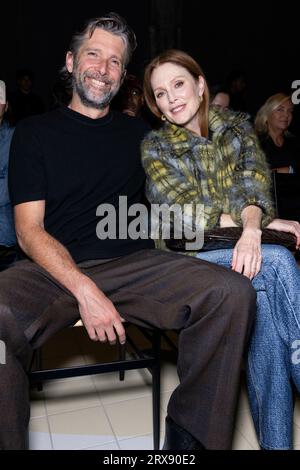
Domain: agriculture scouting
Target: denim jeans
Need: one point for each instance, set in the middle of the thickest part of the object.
(274, 354)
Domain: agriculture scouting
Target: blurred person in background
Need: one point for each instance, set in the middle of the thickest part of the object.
(7, 231)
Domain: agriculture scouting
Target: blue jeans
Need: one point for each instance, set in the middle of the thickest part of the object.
(273, 361)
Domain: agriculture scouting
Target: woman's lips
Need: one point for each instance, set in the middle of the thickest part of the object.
(178, 109)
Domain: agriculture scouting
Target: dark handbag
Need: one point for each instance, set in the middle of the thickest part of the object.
(223, 238)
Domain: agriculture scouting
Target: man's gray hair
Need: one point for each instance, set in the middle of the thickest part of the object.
(112, 23)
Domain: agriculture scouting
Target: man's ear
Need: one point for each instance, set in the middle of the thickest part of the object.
(69, 61)
(123, 76)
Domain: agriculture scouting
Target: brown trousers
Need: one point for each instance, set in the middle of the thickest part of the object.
(213, 307)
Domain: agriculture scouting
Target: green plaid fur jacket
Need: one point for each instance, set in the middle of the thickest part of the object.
(225, 173)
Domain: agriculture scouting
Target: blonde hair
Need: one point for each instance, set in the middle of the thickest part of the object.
(182, 59)
(261, 120)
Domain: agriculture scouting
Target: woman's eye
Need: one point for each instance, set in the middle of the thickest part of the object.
(92, 54)
(159, 95)
(178, 84)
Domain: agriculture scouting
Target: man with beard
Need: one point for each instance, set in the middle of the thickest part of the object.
(64, 165)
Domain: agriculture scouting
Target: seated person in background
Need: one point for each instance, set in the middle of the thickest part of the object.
(24, 102)
(7, 230)
(282, 150)
(236, 84)
(219, 97)
(130, 98)
(61, 91)
(272, 121)
(213, 158)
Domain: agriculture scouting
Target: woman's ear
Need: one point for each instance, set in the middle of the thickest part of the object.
(70, 61)
(201, 85)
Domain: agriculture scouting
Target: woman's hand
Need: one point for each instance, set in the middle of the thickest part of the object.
(290, 226)
(247, 256)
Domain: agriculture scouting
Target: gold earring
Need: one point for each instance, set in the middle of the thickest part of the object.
(163, 117)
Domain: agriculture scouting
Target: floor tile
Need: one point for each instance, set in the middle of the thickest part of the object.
(68, 395)
(240, 442)
(139, 443)
(169, 377)
(39, 437)
(80, 429)
(245, 426)
(164, 400)
(132, 418)
(110, 446)
(296, 435)
(137, 383)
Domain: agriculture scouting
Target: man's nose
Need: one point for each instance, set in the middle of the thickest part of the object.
(102, 66)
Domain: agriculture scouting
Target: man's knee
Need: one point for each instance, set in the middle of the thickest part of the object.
(241, 287)
(243, 296)
(10, 330)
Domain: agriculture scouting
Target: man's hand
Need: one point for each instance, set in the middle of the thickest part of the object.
(289, 226)
(99, 315)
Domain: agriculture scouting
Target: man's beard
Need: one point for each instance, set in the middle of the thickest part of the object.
(90, 97)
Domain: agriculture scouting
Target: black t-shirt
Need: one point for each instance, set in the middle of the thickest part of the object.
(75, 164)
(286, 155)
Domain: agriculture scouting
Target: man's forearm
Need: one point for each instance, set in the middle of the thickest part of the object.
(51, 255)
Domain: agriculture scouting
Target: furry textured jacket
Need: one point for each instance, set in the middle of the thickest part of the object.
(224, 173)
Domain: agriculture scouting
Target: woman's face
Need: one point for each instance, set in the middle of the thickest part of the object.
(281, 117)
(178, 95)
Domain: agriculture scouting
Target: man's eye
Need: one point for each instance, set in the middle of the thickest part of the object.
(92, 54)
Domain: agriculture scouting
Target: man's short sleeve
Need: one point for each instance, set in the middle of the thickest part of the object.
(26, 175)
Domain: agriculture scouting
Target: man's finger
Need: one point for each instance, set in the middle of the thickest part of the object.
(120, 332)
(111, 335)
(101, 335)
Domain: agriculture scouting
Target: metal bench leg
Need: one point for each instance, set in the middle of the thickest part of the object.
(122, 355)
(156, 389)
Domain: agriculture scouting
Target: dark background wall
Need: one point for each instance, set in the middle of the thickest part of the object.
(262, 38)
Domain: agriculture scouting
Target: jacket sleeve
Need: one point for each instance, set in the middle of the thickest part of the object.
(170, 182)
(251, 178)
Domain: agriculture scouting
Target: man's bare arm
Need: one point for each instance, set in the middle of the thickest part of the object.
(97, 312)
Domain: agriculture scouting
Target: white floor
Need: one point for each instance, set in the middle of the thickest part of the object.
(100, 412)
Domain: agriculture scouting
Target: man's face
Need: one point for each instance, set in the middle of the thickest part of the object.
(98, 68)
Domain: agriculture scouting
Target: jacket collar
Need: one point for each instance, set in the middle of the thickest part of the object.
(219, 121)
